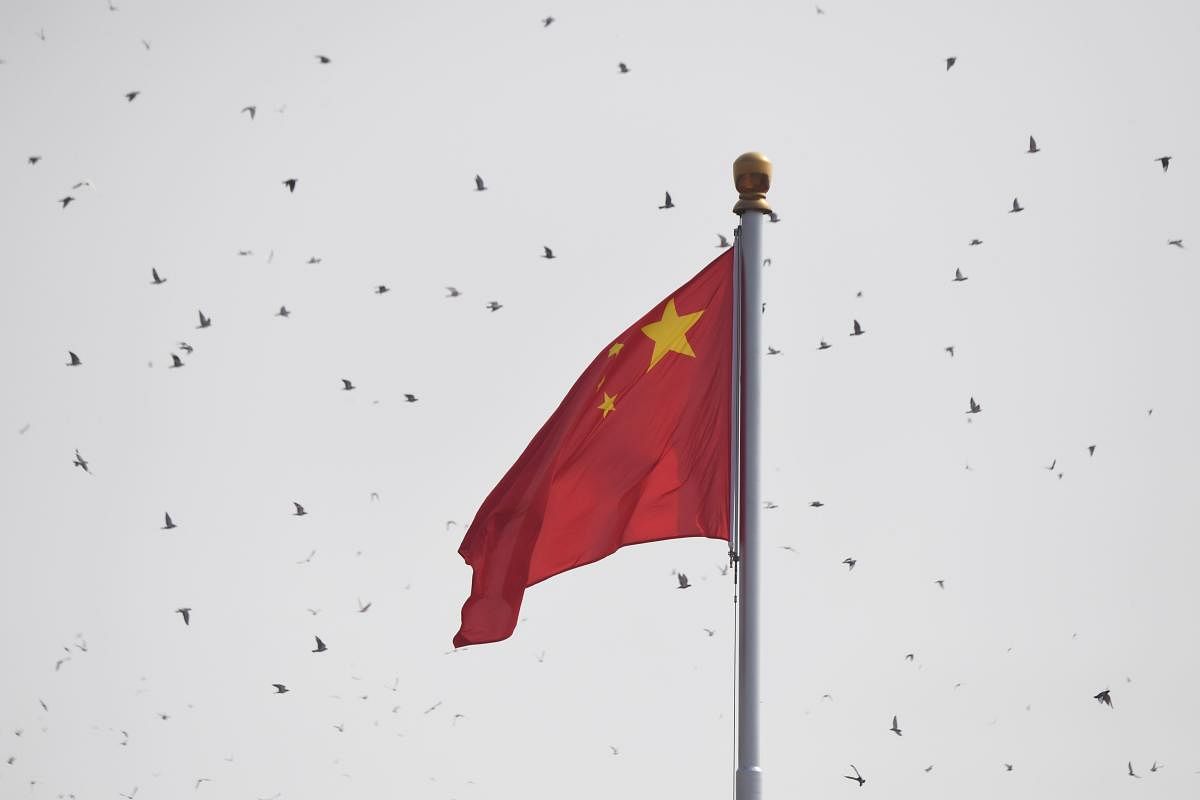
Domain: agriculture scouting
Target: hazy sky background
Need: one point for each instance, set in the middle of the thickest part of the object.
(1076, 319)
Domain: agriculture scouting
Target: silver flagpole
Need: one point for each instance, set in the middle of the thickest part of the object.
(752, 179)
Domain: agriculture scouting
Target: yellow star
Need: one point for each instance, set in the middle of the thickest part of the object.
(607, 405)
(615, 349)
(670, 333)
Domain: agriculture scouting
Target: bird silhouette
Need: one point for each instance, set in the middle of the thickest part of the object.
(547, 252)
(950, 62)
(949, 349)
(824, 345)
(858, 329)
(283, 312)
(252, 110)
(313, 260)
(33, 160)
(130, 96)
(547, 21)
(347, 386)
(958, 276)
(857, 776)
(321, 648)
(683, 580)
(410, 398)
(768, 504)
(1155, 767)
(81, 462)
(622, 68)
(725, 243)
(1103, 698)
(363, 607)
(66, 201)
(1175, 243)
(975, 407)
(1016, 207)
(668, 203)
(1091, 449)
(299, 512)
(850, 562)
(176, 361)
(322, 59)
(1050, 468)
(895, 727)
(290, 183)
(1165, 161)
(772, 351)
(494, 306)
(941, 583)
(186, 613)
(154, 277)
(479, 185)
(452, 292)
(975, 242)
(280, 688)
(816, 504)
(1008, 767)
(205, 322)
(1033, 148)
(168, 523)
(74, 362)
(1132, 774)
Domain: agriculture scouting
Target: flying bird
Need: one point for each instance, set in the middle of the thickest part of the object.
(322, 59)
(1033, 148)
(941, 583)
(667, 203)
(290, 183)
(850, 562)
(186, 613)
(66, 201)
(1132, 774)
(858, 330)
(494, 306)
(1165, 161)
(131, 95)
(1051, 467)
(307, 558)
(313, 260)
(547, 21)
(824, 345)
(479, 186)
(547, 252)
(1091, 449)
(1155, 767)
(176, 361)
(283, 312)
(683, 580)
(205, 322)
(321, 648)
(1008, 767)
(949, 349)
(154, 277)
(74, 362)
(1103, 698)
(725, 243)
(1016, 207)
(299, 512)
(816, 504)
(622, 68)
(452, 292)
(767, 504)
(975, 407)
(382, 289)
(33, 160)
(1175, 243)
(280, 688)
(895, 727)
(950, 62)
(363, 608)
(251, 110)
(168, 523)
(958, 276)
(857, 776)
(773, 351)
(410, 398)
(975, 242)
(347, 386)
(81, 462)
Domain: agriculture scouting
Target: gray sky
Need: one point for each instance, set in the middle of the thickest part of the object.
(1076, 319)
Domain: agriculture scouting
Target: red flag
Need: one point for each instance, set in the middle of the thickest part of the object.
(637, 451)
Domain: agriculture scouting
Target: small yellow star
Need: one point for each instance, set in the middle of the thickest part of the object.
(607, 405)
(615, 349)
(670, 333)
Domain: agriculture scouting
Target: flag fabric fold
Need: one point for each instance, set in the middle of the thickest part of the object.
(637, 451)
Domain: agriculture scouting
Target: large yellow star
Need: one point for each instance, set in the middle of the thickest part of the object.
(670, 333)
(608, 404)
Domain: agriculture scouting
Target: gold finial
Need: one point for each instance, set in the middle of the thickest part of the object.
(752, 179)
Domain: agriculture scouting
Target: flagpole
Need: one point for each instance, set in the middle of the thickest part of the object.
(752, 179)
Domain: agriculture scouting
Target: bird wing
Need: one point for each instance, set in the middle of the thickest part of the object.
(1032, 144)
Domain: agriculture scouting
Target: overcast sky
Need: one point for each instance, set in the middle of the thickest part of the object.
(1076, 320)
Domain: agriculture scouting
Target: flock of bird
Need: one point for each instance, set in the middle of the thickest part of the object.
(292, 184)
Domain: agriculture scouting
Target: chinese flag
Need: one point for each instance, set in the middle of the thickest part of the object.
(637, 451)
